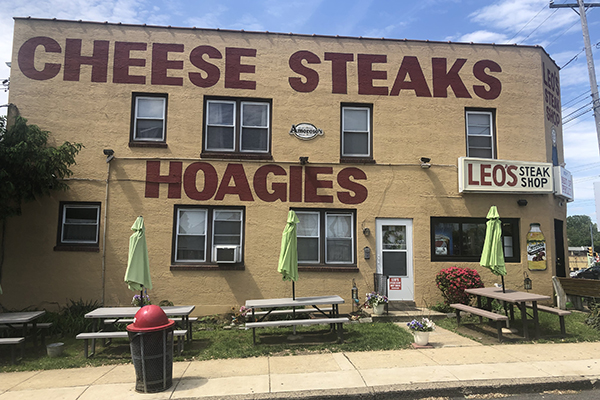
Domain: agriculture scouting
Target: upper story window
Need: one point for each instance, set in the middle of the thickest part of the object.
(326, 237)
(208, 235)
(357, 127)
(148, 119)
(237, 127)
(480, 134)
(79, 225)
(461, 239)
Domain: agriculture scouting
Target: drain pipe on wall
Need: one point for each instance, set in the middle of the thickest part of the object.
(110, 155)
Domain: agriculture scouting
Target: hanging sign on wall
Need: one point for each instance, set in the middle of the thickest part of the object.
(305, 131)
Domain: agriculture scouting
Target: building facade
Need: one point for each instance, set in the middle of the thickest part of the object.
(391, 152)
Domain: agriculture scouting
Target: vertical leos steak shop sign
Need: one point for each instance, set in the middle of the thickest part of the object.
(486, 175)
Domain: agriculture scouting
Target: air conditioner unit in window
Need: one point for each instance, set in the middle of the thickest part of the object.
(226, 254)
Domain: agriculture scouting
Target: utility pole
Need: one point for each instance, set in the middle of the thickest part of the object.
(588, 55)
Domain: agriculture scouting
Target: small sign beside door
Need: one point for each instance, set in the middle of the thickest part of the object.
(395, 284)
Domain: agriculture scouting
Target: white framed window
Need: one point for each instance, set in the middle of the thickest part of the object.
(237, 126)
(227, 227)
(356, 131)
(307, 233)
(190, 241)
(326, 237)
(220, 125)
(79, 224)
(339, 237)
(149, 118)
(199, 230)
(255, 127)
(480, 134)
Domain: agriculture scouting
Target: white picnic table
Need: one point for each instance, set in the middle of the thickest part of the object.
(22, 320)
(316, 302)
(102, 313)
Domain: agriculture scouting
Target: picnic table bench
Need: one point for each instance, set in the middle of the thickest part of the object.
(40, 327)
(482, 314)
(13, 341)
(576, 289)
(556, 311)
(86, 336)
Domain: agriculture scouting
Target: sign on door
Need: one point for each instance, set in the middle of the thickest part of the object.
(395, 283)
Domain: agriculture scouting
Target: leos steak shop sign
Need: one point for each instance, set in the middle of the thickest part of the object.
(486, 175)
(269, 183)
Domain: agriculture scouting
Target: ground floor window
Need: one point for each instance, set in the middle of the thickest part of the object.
(208, 235)
(326, 237)
(79, 225)
(461, 239)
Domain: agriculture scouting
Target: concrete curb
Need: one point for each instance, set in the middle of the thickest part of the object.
(424, 390)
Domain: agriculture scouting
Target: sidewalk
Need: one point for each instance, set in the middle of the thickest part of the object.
(454, 366)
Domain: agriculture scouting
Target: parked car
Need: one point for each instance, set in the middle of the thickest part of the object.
(592, 272)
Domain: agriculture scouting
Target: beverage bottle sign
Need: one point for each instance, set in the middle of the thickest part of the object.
(536, 248)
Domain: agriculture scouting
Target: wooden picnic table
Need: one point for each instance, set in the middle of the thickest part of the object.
(514, 297)
(22, 320)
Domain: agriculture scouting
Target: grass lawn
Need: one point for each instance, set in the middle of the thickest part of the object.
(215, 341)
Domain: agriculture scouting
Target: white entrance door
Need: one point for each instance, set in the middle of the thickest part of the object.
(394, 256)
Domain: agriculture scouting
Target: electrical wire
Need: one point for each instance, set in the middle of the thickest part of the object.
(566, 110)
(577, 116)
(543, 8)
(584, 167)
(538, 27)
(587, 92)
(576, 111)
(565, 31)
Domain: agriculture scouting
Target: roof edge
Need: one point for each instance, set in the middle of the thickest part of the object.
(290, 34)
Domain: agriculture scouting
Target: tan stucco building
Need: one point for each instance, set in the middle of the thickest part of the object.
(391, 152)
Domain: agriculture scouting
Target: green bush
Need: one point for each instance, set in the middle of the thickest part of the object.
(594, 318)
(454, 280)
(70, 319)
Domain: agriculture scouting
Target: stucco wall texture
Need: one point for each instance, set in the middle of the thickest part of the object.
(405, 128)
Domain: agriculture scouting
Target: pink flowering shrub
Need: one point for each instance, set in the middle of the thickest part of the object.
(454, 280)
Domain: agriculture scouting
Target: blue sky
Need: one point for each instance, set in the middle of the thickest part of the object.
(528, 22)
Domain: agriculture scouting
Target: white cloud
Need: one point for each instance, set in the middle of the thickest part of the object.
(521, 21)
(384, 32)
(210, 19)
(513, 15)
(483, 37)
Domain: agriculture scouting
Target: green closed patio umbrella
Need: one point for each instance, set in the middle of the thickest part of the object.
(137, 275)
(288, 257)
(492, 256)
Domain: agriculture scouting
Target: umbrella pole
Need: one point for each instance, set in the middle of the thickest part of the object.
(142, 296)
(503, 288)
(294, 308)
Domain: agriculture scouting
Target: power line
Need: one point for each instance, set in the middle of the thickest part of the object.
(538, 27)
(577, 116)
(576, 111)
(543, 8)
(576, 55)
(581, 95)
(575, 104)
(584, 167)
(565, 31)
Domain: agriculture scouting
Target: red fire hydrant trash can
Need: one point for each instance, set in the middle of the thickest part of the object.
(151, 342)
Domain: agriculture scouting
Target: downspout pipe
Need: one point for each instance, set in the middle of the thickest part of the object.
(109, 158)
